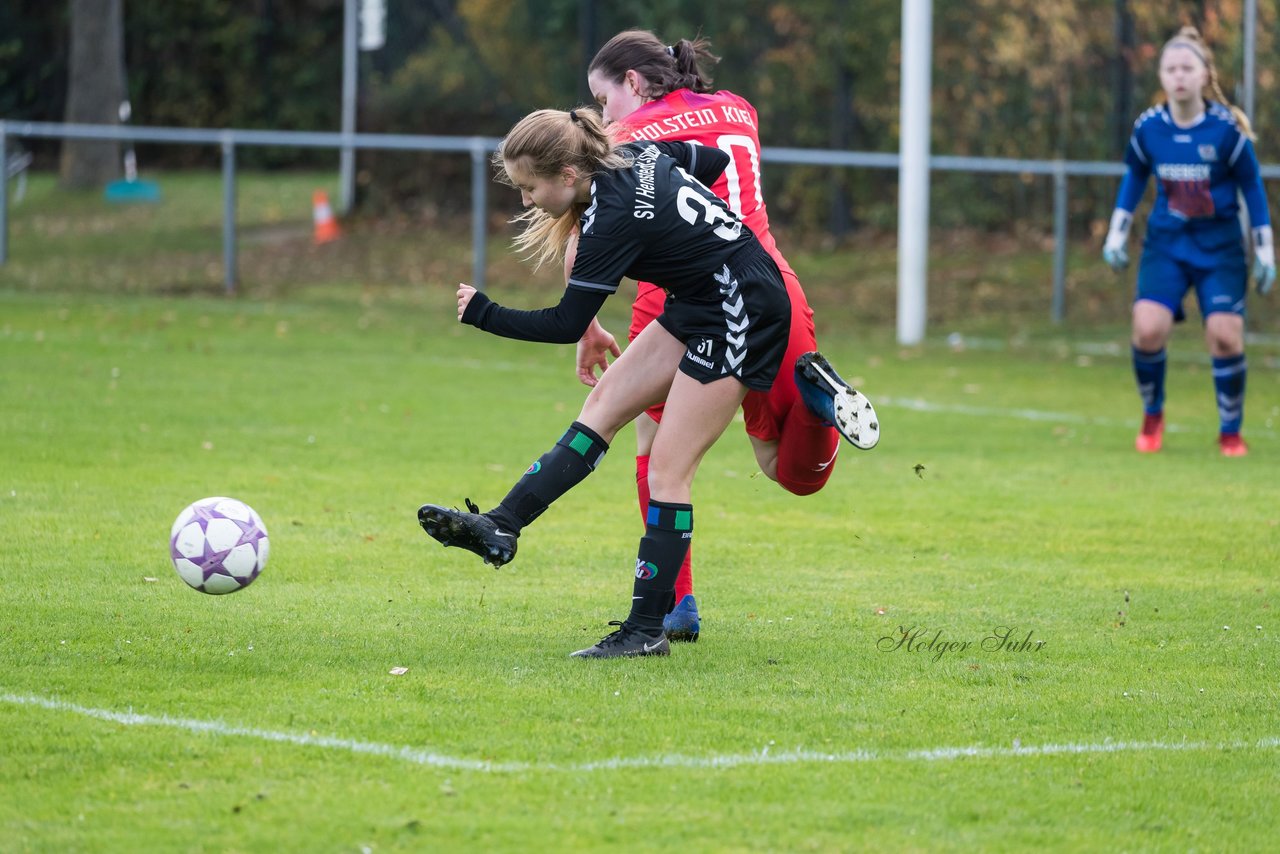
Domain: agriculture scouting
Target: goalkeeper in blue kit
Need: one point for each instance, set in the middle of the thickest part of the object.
(1200, 149)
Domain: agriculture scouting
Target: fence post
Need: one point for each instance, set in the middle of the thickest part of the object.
(229, 213)
(1059, 241)
(479, 210)
(347, 154)
(914, 145)
(4, 195)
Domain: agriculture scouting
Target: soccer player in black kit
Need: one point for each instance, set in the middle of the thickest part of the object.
(642, 211)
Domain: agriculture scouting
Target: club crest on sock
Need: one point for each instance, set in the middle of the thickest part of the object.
(645, 570)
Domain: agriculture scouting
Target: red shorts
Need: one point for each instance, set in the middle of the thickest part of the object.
(764, 411)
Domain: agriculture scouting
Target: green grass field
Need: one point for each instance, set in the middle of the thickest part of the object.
(1004, 500)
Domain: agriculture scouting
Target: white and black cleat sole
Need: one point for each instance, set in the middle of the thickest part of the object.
(856, 419)
(855, 416)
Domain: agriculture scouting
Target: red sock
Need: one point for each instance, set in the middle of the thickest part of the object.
(684, 581)
(806, 451)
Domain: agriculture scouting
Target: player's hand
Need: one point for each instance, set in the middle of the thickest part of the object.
(465, 293)
(593, 352)
(1264, 259)
(1264, 276)
(1117, 257)
(1114, 250)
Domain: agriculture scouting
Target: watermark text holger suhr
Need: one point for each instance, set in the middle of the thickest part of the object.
(935, 644)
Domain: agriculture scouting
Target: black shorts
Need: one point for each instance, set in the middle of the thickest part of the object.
(744, 335)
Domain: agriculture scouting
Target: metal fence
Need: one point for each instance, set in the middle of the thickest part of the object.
(479, 148)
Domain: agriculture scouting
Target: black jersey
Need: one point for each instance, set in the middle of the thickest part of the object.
(657, 222)
(653, 220)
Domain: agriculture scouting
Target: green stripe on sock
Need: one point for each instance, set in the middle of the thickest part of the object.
(581, 443)
(684, 520)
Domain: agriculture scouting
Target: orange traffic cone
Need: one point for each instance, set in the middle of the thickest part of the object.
(326, 227)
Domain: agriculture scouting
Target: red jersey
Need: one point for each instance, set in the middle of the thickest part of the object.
(720, 120)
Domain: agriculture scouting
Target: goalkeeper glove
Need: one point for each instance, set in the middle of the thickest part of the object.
(1114, 251)
(1264, 259)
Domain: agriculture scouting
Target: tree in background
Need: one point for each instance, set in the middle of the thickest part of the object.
(95, 88)
(1012, 78)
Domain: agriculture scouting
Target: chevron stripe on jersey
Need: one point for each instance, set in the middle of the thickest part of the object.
(735, 318)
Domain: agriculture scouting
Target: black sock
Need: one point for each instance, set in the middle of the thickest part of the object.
(557, 471)
(668, 532)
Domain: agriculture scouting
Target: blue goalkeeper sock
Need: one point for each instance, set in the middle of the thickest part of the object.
(1228, 382)
(1148, 368)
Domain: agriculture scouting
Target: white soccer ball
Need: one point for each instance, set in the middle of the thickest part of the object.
(218, 545)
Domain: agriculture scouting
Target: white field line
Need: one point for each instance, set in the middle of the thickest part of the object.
(765, 756)
(1118, 349)
(919, 405)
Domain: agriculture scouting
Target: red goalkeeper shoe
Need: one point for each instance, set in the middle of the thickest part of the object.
(1232, 445)
(1152, 435)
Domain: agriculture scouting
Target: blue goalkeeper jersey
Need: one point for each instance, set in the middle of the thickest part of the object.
(1198, 171)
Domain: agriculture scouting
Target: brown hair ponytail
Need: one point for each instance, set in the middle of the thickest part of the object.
(665, 67)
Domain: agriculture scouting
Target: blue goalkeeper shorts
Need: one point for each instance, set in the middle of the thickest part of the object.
(1219, 286)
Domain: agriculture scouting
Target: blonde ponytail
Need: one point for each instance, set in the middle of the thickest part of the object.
(1246, 127)
(541, 145)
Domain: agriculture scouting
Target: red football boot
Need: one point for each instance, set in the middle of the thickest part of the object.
(1232, 445)
(1152, 435)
